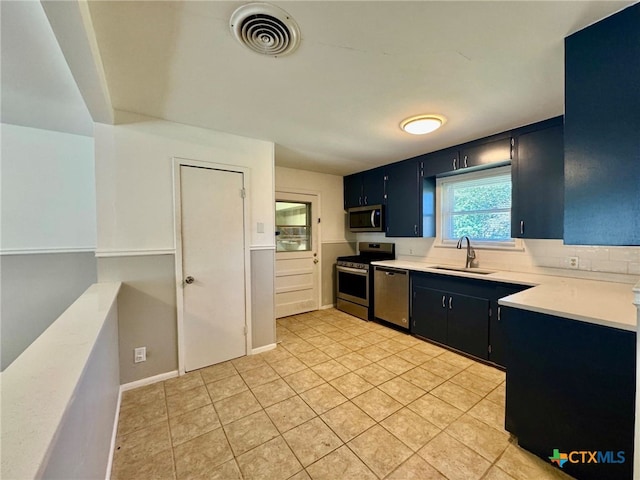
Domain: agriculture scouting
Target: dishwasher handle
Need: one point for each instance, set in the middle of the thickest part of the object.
(391, 271)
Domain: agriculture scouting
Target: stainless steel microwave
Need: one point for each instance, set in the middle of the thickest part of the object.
(366, 219)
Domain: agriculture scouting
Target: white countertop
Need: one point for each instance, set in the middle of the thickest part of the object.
(40, 384)
(602, 303)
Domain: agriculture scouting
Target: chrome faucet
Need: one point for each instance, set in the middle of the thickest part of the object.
(471, 253)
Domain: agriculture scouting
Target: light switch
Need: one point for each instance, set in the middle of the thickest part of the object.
(260, 227)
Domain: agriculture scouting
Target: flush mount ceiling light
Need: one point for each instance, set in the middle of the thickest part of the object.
(421, 124)
(265, 29)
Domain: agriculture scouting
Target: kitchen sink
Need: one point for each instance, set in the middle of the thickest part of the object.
(462, 269)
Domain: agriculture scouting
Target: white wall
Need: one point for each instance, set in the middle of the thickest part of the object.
(48, 190)
(135, 214)
(48, 226)
(135, 185)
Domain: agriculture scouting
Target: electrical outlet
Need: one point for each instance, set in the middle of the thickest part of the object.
(411, 251)
(140, 355)
(573, 262)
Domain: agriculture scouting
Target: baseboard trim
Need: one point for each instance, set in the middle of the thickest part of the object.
(123, 388)
(327, 307)
(263, 349)
(114, 435)
(148, 381)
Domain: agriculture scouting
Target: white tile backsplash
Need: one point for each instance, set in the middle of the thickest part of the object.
(622, 254)
(583, 264)
(593, 253)
(609, 266)
(605, 263)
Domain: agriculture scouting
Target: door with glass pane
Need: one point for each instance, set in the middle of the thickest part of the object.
(297, 254)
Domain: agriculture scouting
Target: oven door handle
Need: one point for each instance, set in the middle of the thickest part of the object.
(356, 271)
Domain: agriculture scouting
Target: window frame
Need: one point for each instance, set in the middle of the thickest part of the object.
(308, 226)
(442, 204)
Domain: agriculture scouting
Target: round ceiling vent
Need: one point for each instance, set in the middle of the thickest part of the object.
(265, 29)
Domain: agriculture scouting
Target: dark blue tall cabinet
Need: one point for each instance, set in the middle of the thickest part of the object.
(406, 191)
(602, 132)
(537, 174)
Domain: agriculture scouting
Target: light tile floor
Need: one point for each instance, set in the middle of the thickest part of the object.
(338, 399)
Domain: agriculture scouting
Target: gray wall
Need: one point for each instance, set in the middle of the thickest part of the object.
(35, 290)
(146, 312)
(82, 443)
(263, 325)
(330, 252)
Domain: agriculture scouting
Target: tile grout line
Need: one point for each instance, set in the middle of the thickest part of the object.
(350, 369)
(173, 455)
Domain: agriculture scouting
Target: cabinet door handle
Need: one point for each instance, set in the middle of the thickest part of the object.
(415, 229)
(359, 200)
(521, 227)
(450, 300)
(455, 161)
(365, 200)
(498, 313)
(443, 300)
(465, 162)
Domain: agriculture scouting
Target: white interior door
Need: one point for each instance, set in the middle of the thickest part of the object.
(212, 227)
(297, 254)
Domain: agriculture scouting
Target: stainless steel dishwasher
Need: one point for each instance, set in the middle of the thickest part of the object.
(391, 295)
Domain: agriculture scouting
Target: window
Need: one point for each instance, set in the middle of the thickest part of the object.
(477, 205)
(293, 226)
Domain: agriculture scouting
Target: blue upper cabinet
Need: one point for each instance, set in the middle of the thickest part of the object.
(352, 190)
(440, 161)
(537, 175)
(602, 132)
(373, 186)
(485, 152)
(404, 199)
(479, 153)
(364, 188)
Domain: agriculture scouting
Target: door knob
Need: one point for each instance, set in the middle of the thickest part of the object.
(189, 280)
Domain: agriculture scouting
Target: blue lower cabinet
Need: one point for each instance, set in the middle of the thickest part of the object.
(452, 311)
(468, 325)
(497, 334)
(571, 393)
(429, 314)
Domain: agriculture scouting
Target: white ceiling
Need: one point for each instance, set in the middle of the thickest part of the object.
(334, 105)
(38, 89)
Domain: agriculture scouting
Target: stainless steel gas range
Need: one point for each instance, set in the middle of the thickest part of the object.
(355, 278)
